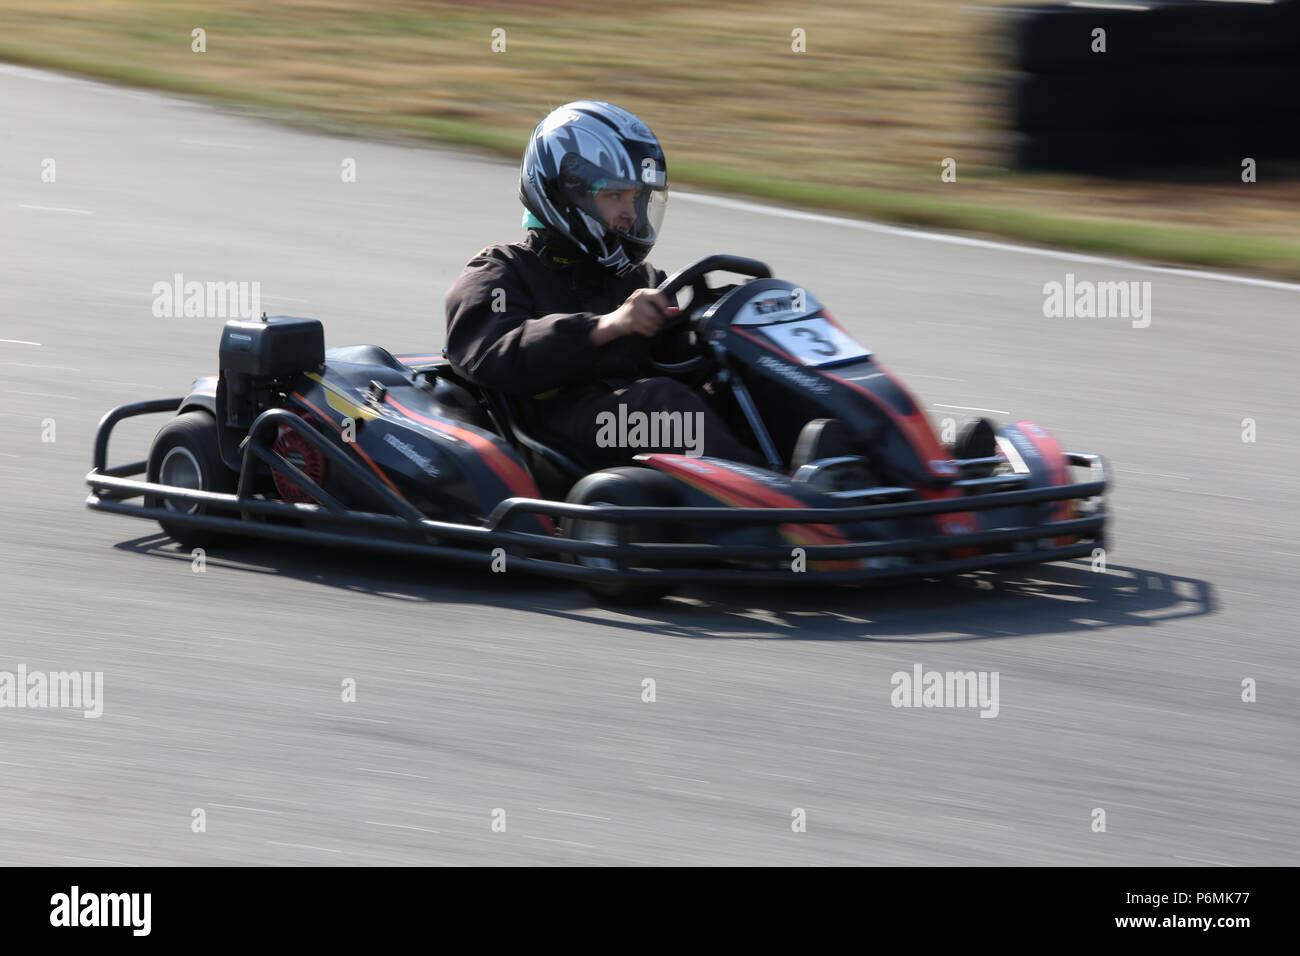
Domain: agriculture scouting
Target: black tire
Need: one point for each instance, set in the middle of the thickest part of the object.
(824, 438)
(185, 453)
(632, 487)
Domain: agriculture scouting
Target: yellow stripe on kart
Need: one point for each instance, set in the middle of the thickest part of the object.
(341, 403)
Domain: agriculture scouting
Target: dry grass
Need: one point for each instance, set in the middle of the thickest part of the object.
(860, 121)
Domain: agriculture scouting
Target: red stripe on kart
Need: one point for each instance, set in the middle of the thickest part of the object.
(921, 437)
(914, 426)
(1054, 457)
(919, 434)
(356, 447)
(511, 473)
(745, 490)
(739, 491)
(766, 344)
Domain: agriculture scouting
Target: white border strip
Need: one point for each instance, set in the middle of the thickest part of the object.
(49, 76)
(866, 226)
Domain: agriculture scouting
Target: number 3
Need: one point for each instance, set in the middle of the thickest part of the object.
(829, 346)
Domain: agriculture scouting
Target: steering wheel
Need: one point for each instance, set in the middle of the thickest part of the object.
(702, 296)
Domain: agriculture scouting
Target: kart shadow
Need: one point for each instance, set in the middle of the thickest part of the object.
(1016, 602)
(1044, 599)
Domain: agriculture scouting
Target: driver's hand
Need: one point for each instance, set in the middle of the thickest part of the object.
(642, 314)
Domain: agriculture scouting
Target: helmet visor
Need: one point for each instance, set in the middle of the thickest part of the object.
(632, 210)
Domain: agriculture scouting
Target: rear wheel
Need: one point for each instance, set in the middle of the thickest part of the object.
(185, 454)
(629, 487)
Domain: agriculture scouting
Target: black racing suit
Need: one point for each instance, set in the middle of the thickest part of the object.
(519, 320)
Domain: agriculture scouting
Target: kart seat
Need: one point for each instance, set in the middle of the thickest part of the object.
(366, 355)
(556, 466)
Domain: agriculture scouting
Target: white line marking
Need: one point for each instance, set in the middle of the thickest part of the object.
(972, 408)
(31, 73)
(572, 813)
(1149, 474)
(19, 342)
(61, 368)
(781, 776)
(276, 799)
(23, 391)
(1197, 859)
(433, 674)
(865, 225)
(304, 846)
(401, 826)
(369, 720)
(846, 753)
(391, 773)
(231, 806)
(655, 773)
(699, 795)
(92, 859)
(585, 846)
(202, 142)
(948, 325)
(983, 823)
(79, 212)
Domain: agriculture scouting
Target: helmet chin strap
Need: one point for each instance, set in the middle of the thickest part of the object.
(610, 255)
(617, 260)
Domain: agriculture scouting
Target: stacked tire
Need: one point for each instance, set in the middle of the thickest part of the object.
(1201, 83)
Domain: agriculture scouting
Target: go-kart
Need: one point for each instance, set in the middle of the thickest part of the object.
(359, 448)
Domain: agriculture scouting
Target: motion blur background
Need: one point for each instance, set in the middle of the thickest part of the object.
(839, 104)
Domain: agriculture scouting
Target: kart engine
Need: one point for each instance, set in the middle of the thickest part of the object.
(258, 358)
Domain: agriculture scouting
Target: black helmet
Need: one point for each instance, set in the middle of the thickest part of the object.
(581, 149)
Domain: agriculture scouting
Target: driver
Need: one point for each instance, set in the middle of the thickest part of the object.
(567, 316)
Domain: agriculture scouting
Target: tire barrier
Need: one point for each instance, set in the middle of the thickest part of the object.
(1112, 87)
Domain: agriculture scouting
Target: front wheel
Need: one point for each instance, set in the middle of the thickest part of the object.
(629, 487)
(185, 454)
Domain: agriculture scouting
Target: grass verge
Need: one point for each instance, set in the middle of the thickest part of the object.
(882, 94)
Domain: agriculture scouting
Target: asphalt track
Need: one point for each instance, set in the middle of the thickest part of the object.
(1119, 690)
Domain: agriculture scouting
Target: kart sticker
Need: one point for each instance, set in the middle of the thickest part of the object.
(777, 305)
(815, 341)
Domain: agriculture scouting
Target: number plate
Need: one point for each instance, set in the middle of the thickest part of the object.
(815, 341)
